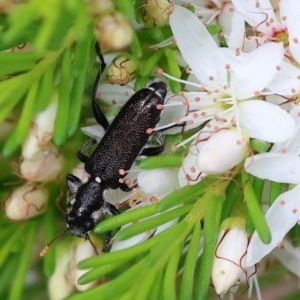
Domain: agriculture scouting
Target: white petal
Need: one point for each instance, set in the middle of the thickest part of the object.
(158, 181)
(196, 46)
(257, 70)
(189, 173)
(286, 80)
(115, 94)
(289, 256)
(279, 167)
(257, 15)
(281, 217)
(281, 101)
(225, 18)
(265, 121)
(119, 245)
(96, 132)
(290, 10)
(229, 260)
(291, 146)
(236, 35)
(222, 151)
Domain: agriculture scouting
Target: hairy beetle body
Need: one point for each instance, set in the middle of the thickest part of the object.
(116, 152)
(126, 136)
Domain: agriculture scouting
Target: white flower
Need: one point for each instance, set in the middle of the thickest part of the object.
(41, 130)
(44, 165)
(261, 16)
(64, 280)
(26, 202)
(223, 150)
(230, 88)
(154, 185)
(158, 181)
(281, 165)
(230, 257)
(211, 10)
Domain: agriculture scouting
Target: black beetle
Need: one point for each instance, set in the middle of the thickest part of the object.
(124, 140)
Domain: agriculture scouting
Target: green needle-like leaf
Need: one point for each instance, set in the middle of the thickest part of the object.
(170, 242)
(125, 254)
(18, 283)
(145, 286)
(172, 63)
(187, 281)
(275, 191)
(63, 109)
(97, 273)
(211, 229)
(140, 82)
(19, 20)
(19, 134)
(155, 292)
(169, 285)
(150, 63)
(255, 210)
(151, 223)
(81, 60)
(113, 289)
(138, 11)
(232, 194)
(46, 89)
(6, 247)
(135, 46)
(126, 7)
(184, 194)
(125, 218)
(162, 161)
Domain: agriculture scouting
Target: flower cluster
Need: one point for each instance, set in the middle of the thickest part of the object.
(236, 97)
(40, 162)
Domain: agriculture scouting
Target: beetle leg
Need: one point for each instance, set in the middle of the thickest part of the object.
(151, 151)
(124, 187)
(82, 157)
(114, 211)
(98, 114)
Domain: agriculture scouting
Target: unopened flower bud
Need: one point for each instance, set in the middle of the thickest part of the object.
(156, 12)
(223, 150)
(26, 202)
(230, 255)
(41, 130)
(80, 251)
(64, 280)
(44, 165)
(98, 7)
(158, 181)
(122, 69)
(113, 32)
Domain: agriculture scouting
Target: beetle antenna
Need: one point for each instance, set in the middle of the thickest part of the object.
(93, 245)
(45, 250)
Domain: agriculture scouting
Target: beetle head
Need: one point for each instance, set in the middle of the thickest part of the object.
(87, 200)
